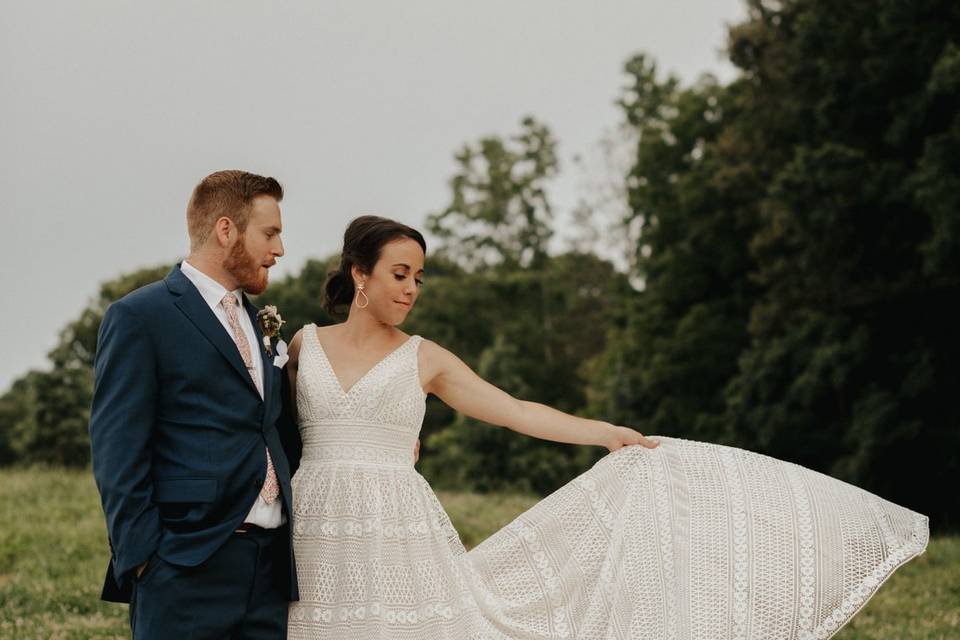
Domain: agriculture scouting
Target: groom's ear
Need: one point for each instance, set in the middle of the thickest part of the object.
(225, 232)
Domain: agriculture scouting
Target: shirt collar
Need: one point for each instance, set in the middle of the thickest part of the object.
(210, 290)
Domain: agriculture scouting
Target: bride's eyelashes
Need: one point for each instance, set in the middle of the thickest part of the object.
(403, 277)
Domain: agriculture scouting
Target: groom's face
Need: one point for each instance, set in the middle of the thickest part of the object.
(258, 247)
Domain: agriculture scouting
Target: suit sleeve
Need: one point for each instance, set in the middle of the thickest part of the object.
(287, 426)
(122, 419)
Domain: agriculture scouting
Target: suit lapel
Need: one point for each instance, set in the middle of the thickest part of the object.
(192, 304)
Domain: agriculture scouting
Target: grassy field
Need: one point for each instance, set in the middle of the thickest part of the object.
(53, 552)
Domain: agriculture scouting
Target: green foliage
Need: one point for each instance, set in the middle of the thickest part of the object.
(18, 418)
(45, 414)
(936, 180)
(499, 214)
(794, 268)
(853, 352)
(61, 417)
(299, 297)
(797, 247)
(529, 332)
(77, 345)
(675, 343)
(511, 311)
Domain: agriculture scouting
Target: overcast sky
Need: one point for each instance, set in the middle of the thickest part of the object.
(110, 112)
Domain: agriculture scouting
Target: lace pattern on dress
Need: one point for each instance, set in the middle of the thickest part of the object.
(689, 541)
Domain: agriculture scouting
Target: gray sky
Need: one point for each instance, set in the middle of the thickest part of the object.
(110, 112)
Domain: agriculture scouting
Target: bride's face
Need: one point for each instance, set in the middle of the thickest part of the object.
(395, 283)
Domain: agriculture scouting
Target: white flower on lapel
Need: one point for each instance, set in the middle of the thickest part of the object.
(281, 358)
(270, 322)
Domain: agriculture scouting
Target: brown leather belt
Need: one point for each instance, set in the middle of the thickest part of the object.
(247, 527)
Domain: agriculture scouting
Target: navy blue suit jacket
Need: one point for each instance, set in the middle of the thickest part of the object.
(178, 430)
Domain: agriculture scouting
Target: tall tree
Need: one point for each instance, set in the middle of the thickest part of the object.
(853, 358)
(676, 341)
(18, 418)
(499, 214)
(539, 330)
(46, 413)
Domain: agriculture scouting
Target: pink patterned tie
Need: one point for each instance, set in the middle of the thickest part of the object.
(270, 489)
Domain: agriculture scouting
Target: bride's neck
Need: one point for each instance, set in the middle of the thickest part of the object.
(360, 329)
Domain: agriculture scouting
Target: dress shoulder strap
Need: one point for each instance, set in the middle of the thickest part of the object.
(415, 341)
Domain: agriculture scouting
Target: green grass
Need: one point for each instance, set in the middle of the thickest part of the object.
(53, 551)
(921, 601)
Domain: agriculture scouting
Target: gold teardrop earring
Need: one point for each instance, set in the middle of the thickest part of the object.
(361, 293)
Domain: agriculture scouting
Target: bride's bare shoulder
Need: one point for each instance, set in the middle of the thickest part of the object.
(293, 349)
(435, 358)
(429, 348)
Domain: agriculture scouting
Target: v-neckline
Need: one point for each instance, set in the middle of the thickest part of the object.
(333, 371)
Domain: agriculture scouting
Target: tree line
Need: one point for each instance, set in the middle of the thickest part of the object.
(793, 248)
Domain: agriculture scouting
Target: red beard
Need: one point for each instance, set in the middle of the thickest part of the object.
(245, 269)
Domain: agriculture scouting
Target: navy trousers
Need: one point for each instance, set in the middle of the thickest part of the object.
(234, 595)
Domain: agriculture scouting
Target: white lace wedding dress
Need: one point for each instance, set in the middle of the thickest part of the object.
(686, 541)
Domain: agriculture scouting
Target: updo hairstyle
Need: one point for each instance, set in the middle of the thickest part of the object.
(363, 242)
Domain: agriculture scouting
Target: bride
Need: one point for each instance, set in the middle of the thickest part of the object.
(670, 539)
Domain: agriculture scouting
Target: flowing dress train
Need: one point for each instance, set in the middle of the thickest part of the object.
(688, 541)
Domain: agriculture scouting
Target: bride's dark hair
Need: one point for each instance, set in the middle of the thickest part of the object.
(362, 243)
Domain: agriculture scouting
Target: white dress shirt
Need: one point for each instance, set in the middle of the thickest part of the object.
(268, 516)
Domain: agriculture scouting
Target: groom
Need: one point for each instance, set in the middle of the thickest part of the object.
(184, 429)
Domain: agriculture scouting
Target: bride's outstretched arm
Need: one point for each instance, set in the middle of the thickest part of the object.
(450, 379)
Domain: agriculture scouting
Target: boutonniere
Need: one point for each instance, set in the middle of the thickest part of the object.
(270, 322)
